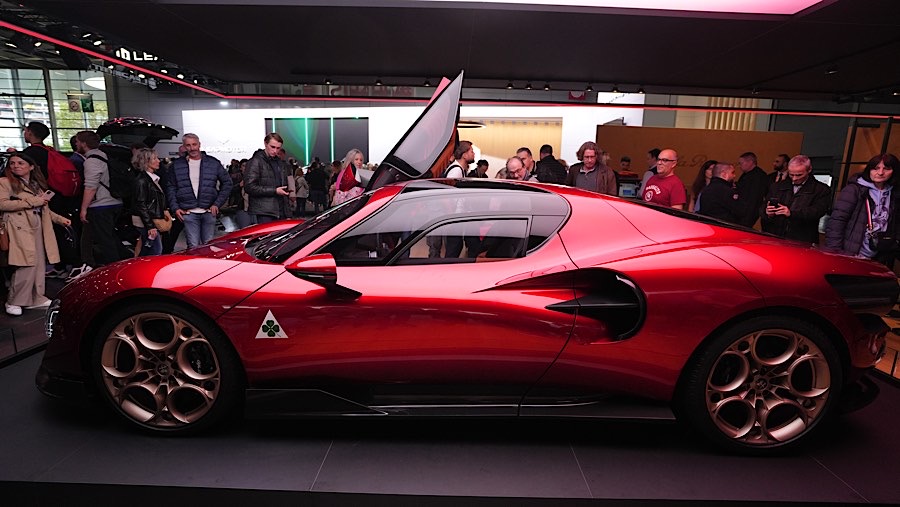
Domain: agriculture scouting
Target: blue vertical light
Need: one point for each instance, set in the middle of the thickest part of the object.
(306, 139)
(331, 121)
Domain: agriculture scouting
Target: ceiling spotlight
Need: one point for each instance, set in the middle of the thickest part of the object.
(98, 42)
(86, 35)
(111, 66)
(615, 88)
(755, 91)
(589, 88)
(180, 75)
(427, 83)
(547, 86)
(528, 86)
(378, 82)
(328, 80)
(509, 85)
(830, 71)
(641, 90)
(37, 43)
(141, 75)
(10, 44)
(896, 94)
(196, 81)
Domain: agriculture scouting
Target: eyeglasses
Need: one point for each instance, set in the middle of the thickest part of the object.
(667, 160)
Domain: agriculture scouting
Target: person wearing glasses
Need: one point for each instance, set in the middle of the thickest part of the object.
(591, 173)
(665, 188)
(794, 206)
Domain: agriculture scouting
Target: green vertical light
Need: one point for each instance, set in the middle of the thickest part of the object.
(306, 139)
(331, 121)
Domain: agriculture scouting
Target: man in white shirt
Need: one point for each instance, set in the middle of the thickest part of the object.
(463, 155)
(196, 187)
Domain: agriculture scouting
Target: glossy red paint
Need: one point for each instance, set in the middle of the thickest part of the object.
(516, 325)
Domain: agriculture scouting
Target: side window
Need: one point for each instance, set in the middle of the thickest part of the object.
(470, 241)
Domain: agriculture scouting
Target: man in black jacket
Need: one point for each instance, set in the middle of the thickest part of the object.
(266, 182)
(549, 170)
(718, 198)
(794, 206)
(751, 188)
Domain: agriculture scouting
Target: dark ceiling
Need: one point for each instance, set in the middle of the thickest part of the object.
(843, 50)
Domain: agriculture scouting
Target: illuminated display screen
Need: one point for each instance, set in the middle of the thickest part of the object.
(327, 138)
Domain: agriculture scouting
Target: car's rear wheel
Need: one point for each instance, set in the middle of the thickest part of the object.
(166, 369)
(763, 385)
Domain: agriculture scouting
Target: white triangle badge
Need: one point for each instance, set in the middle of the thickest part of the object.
(270, 328)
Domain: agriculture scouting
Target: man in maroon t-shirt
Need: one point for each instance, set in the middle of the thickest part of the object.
(664, 188)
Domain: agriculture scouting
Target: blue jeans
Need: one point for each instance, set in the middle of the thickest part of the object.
(150, 246)
(199, 228)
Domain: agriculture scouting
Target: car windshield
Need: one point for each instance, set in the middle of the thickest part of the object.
(279, 246)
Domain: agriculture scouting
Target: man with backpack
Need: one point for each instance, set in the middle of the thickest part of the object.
(463, 155)
(549, 170)
(99, 209)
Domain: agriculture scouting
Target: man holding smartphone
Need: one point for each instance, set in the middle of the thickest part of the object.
(794, 206)
(266, 182)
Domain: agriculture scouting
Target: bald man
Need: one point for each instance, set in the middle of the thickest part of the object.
(664, 188)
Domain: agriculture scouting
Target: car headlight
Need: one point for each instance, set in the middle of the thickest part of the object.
(51, 316)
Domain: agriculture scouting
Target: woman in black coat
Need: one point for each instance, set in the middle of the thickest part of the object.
(864, 220)
(149, 201)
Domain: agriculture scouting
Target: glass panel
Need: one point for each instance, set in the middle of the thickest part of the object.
(468, 241)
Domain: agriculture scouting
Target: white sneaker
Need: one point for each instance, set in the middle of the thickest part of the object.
(13, 309)
(45, 304)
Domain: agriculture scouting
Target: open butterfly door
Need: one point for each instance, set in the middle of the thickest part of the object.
(428, 144)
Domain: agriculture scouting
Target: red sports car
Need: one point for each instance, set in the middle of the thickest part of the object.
(480, 297)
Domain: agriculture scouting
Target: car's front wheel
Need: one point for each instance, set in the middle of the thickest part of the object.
(166, 369)
(763, 385)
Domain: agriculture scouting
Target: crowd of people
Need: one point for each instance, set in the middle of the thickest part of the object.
(788, 202)
(49, 231)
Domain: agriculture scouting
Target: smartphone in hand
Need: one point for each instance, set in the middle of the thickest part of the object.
(49, 194)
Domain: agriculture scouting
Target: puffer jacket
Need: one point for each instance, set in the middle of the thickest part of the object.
(263, 176)
(214, 189)
(846, 229)
(16, 207)
(149, 200)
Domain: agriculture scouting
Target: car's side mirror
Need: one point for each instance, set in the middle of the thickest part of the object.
(321, 270)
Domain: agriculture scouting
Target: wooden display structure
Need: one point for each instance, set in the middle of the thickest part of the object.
(694, 146)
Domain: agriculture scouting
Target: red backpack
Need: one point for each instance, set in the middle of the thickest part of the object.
(62, 176)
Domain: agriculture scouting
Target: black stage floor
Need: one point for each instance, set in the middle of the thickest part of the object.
(55, 454)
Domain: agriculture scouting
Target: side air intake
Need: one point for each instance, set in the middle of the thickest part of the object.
(608, 297)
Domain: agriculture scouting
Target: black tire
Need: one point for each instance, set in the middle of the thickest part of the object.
(762, 386)
(166, 369)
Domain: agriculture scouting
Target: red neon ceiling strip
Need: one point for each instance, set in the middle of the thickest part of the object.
(101, 56)
(220, 95)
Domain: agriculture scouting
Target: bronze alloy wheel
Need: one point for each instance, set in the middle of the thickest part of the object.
(765, 384)
(162, 370)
